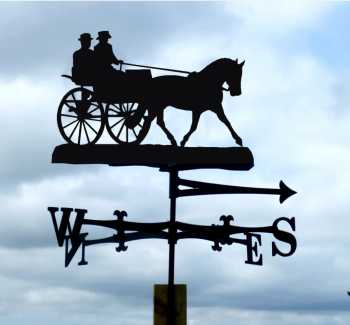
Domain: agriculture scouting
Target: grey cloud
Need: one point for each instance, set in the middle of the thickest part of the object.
(222, 289)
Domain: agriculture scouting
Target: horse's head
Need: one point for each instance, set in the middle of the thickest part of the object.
(234, 77)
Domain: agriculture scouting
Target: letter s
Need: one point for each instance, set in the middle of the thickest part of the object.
(284, 236)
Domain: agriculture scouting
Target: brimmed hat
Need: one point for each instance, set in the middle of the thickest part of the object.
(103, 35)
(85, 36)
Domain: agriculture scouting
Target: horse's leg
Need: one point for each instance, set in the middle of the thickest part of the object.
(160, 122)
(222, 117)
(195, 120)
(132, 121)
(146, 126)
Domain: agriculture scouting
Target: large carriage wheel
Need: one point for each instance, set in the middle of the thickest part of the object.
(116, 114)
(80, 120)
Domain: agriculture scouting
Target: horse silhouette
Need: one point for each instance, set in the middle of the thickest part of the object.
(199, 92)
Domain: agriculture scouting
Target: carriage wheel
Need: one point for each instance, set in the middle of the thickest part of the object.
(116, 114)
(80, 120)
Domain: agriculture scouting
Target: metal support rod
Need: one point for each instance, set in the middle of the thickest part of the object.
(173, 180)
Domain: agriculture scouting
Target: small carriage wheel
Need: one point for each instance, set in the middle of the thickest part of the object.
(116, 114)
(80, 120)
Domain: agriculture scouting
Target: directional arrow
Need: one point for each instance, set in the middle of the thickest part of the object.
(200, 188)
(285, 191)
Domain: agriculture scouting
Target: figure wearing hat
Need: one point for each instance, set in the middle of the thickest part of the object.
(84, 61)
(105, 58)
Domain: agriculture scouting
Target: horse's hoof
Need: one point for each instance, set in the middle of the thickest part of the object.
(182, 143)
(173, 142)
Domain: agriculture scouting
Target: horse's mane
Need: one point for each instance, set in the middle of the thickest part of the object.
(217, 64)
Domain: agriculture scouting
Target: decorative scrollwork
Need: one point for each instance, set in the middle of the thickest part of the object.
(120, 215)
(121, 247)
(226, 220)
(216, 246)
(226, 241)
(224, 233)
(121, 231)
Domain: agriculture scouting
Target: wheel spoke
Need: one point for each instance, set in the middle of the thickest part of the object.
(75, 101)
(95, 116)
(118, 108)
(118, 115)
(84, 117)
(115, 111)
(90, 127)
(116, 120)
(86, 132)
(68, 115)
(94, 110)
(69, 106)
(70, 123)
(117, 123)
(73, 131)
(120, 130)
(98, 117)
(79, 133)
(92, 119)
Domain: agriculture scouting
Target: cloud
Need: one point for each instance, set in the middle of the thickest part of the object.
(128, 24)
(291, 115)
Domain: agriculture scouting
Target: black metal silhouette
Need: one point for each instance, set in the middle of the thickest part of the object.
(81, 116)
(198, 93)
(84, 62)
(133, 99)
(219, 235)
(157, 156)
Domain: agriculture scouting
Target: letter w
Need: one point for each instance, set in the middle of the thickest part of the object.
(65, 224)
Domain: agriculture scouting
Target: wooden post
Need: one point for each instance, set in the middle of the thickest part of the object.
(160, 304)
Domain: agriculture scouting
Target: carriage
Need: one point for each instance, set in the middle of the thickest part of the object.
(81, 115)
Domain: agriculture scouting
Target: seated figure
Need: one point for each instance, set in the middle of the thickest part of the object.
(83, 71)
(108, 80)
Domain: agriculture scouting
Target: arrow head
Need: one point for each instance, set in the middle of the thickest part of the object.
(286, 192)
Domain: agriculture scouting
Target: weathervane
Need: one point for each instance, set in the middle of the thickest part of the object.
(128, 96)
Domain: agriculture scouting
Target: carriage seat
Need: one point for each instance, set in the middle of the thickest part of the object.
(82, 78)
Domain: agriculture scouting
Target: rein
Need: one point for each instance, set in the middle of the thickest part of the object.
(144, 66)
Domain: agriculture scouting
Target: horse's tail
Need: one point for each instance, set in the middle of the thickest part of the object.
(135, 119)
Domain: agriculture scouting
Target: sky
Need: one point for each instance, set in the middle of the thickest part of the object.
(293, 115)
